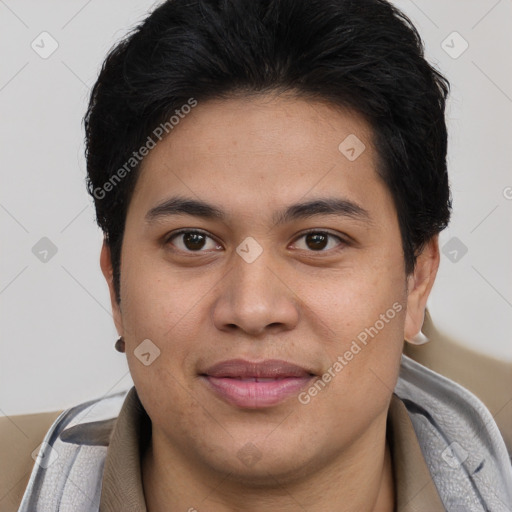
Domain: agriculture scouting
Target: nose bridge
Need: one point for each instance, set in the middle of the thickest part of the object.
(254, 285)
(253, 296)
(254, 278)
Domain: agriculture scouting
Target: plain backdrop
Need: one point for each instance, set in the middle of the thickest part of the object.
(57, 334)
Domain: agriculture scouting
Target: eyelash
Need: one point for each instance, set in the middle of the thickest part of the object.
(303, 234)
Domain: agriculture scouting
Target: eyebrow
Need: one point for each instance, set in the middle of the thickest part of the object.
(321, 206)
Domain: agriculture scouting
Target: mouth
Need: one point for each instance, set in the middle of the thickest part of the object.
(255, 385)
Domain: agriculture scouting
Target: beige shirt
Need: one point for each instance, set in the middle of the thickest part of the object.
(122, 488)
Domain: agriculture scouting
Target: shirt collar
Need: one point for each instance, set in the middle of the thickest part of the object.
(122, 481)
(415, 490)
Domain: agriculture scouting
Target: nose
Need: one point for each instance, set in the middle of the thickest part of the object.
(255, 298)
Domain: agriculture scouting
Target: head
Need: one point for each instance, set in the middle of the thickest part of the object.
(224, 118)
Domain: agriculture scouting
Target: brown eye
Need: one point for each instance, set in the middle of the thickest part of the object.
(320, 240)
(192, 241)
(316, 241)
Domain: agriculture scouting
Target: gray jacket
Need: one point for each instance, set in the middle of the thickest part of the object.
(460, 441)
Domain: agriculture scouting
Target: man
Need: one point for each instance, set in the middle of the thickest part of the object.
(271, 180)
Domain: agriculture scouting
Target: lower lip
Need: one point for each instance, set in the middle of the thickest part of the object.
(255, 395)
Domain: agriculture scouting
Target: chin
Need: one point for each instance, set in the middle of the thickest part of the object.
(259, 468)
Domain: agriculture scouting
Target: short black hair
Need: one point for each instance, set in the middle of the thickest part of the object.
(365, 55)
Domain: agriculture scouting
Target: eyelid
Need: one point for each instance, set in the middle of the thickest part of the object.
(172, 234)
(167, 238)
(344, 239)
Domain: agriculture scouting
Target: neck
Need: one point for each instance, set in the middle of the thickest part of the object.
(360, 480)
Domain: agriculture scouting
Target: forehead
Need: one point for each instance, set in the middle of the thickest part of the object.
(260, 151)
(266, 124)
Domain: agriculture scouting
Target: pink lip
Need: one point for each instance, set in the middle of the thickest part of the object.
(238, 381)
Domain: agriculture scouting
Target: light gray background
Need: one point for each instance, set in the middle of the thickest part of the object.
(57, 334)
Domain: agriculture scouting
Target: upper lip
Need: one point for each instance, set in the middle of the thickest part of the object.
(270, 368)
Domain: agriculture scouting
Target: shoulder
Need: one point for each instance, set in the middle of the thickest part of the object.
(486, 377)
(458, 436)
(31, 443)
(20, 436)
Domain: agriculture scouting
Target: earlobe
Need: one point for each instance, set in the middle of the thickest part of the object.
(106, 262)
(108, 273)
(420, 283)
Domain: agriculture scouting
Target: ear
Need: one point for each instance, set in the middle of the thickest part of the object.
(419, 284)
(108, 273)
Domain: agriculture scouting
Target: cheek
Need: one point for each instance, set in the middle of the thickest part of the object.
(155, 297)
(175, 411)
(365, 311)
(353, 299)
(158, 307)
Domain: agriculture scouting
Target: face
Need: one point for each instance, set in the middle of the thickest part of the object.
(257, 277)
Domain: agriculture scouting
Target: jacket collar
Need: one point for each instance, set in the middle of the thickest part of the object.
(122, 482)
